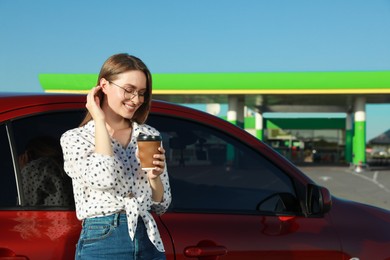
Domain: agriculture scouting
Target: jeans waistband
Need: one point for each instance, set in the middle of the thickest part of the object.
(113, 219)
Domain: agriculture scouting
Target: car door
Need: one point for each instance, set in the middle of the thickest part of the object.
(231, 202)
(37, 217)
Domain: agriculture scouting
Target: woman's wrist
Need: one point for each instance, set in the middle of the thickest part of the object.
(157, 188)
(154, 178)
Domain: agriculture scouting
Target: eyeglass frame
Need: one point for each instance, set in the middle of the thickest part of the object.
(133, 92)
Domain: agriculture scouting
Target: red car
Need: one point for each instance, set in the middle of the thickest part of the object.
(233, 196)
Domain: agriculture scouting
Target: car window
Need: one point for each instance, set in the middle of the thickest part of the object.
(211, 171)
(41, 178)
(8, 191)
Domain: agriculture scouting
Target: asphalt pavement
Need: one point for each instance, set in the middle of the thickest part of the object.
(370, 186)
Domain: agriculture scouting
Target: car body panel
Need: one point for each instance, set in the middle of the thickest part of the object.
(39, 234)
(359, 237)
(266, 237)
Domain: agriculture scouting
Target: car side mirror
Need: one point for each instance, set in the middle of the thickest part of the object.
(318, 200)
(280, 203)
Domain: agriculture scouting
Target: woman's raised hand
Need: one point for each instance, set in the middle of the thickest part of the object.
(93, 103)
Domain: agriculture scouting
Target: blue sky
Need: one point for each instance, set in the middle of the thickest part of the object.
(48, 36)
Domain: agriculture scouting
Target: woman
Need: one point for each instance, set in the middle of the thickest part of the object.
(113, 195)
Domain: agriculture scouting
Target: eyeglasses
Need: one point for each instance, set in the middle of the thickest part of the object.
(129, 93)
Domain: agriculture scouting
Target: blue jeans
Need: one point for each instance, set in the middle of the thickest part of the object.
(108, 238)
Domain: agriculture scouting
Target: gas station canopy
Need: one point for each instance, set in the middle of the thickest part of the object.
(262, 91)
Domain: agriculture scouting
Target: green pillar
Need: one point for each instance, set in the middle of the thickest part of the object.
(348, 138)
(259, 125)
(259, 134)
(359, 138)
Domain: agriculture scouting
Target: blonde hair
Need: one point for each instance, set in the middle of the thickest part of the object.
(120, 63)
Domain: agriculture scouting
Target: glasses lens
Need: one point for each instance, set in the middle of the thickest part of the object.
(130, 94)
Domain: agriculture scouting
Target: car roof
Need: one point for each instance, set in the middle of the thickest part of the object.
(12, 101)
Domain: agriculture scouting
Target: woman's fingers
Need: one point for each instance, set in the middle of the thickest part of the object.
(159, 163)
(93, 103)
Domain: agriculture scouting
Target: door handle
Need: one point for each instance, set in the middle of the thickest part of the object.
(201, 251)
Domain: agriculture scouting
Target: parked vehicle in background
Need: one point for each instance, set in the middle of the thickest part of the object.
(234, 197)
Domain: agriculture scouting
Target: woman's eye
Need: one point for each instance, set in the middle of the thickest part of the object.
(130, 91)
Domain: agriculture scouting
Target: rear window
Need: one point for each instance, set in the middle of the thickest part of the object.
(36, 141)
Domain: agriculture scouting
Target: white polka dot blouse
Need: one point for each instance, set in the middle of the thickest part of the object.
(104, 185)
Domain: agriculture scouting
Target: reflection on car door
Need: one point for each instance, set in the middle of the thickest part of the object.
(229, 200)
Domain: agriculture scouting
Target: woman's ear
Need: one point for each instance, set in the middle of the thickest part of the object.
(104, 83)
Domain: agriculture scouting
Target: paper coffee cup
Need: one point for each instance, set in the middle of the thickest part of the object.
(148, 146)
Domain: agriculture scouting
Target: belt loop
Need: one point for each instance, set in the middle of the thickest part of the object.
(116, 219)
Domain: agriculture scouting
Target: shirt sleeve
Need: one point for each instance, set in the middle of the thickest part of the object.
(97, 171)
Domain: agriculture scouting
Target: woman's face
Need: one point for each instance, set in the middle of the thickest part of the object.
(125, 94)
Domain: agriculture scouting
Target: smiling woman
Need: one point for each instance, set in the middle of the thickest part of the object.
(100, 157)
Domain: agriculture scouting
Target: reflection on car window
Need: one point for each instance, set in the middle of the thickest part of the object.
(211, 171)
(8, 191)
(44, 181)
(42, 178)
